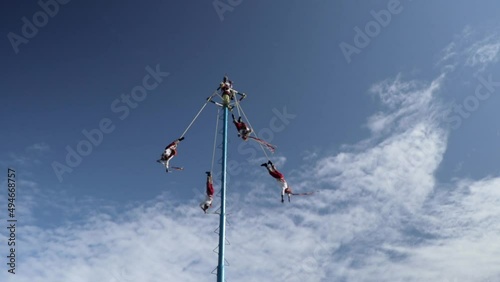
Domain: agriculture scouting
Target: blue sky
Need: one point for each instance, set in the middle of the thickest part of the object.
(408, 185)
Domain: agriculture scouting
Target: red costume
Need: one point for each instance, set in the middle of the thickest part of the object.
(243, 129)
(169, 153)
(205, 205)
(279, 177)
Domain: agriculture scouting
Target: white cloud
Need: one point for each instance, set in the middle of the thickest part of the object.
(408, 102)
(18, 160)
(38, 147)
(310, 155)
(380, 215)
(465, 51)
(464, 246)
(31, 156)
(450, 55)
(483, 54)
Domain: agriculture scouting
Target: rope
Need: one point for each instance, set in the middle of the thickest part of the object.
(199, 112)
(215, 140)
(237, 105)
(246, 118)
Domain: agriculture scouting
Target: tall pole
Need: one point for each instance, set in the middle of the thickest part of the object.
(222, 220)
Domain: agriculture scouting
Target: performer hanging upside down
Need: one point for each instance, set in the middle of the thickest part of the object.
(243, 130)
(210, 194)
(169, 153)
(280, 178)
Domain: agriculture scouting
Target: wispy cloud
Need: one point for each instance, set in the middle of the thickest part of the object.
(450, 55)
(31, 155)
(18, 160)
(406, 101)
(483, 54)
(466, 50)
(380, 215)
(38, 148)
